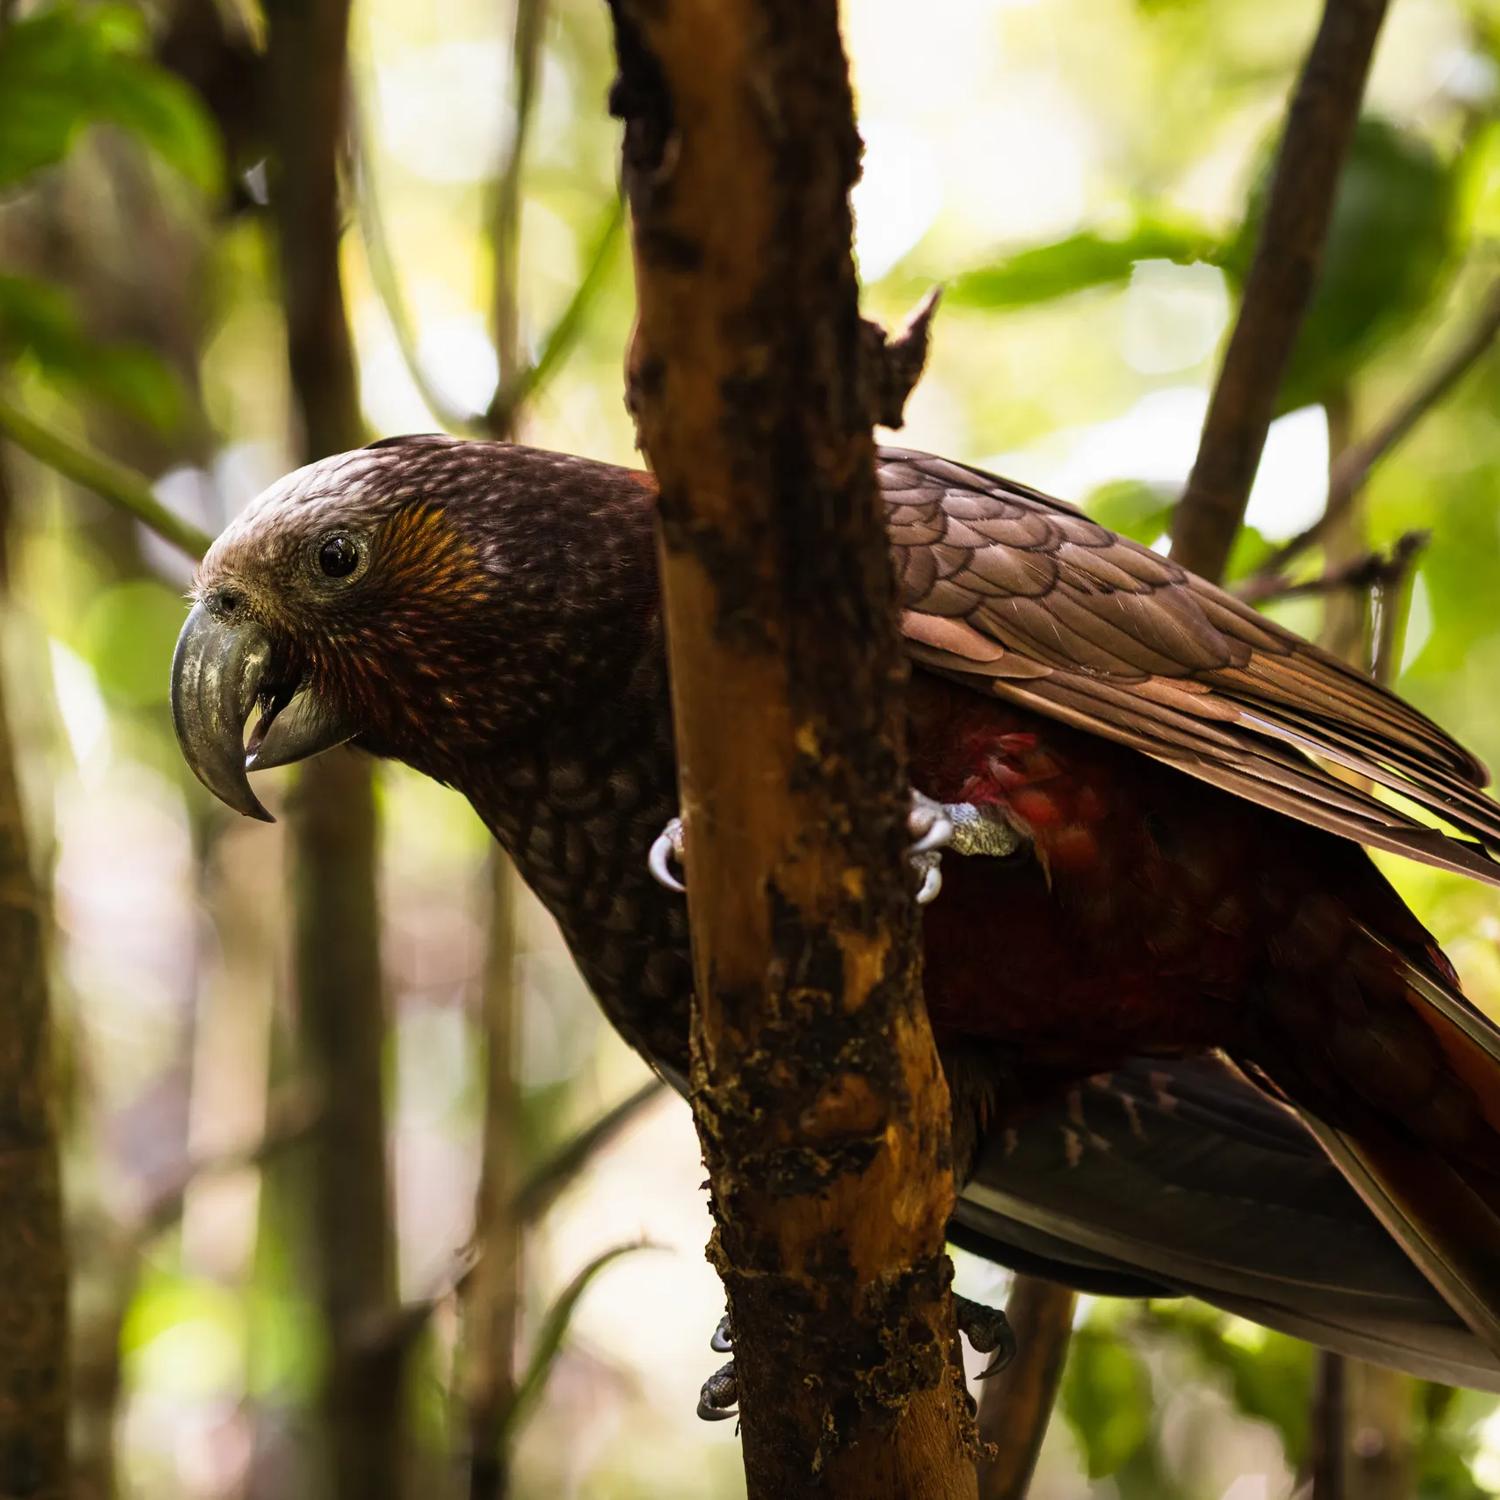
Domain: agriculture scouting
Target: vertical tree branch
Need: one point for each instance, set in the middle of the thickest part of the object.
(340, 996)
(34, 1343)
(1016, 1403)
(818, 1095)
(505, 237)
(1361, 1428)
(492, 1293)
(1283, 273)
(1330, 1428)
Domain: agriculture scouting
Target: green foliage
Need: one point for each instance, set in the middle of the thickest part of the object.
(1106, 1398)
(554, 1330)
(1133, 507)
(1390, 245)
(1080, 263)
(1270, 1376)
(67, 67)
(38, 322)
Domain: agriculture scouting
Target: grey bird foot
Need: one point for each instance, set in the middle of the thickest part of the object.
(720, 1394)
(988, 1331)
(960, 826)
(932, 826)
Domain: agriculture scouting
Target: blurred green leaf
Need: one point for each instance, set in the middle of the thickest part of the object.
(1447, 1441)
(1133, 507)
(67, 67)
(1080, 262)
(1389, 248)
(1106, 1398)
(1250, 553)
(554, 1330)
(39, 321)
(1480, 189)
(128, 632)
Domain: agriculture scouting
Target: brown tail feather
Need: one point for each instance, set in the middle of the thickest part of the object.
(1429, 1172)
(1448, 1225)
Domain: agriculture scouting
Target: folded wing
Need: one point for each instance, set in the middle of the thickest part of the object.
(1180, 1177)
(1022, 596)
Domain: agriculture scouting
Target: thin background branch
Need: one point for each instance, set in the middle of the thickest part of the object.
(1283, 274)
(1015, 1403)
(1351, 468)
(341, 1002)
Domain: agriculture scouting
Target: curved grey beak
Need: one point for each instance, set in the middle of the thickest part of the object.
(219, 675)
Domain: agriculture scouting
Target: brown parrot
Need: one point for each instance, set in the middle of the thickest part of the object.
(1197, 1044)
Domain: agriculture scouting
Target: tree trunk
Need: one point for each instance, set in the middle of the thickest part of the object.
(819, 1099)
(33, 1253)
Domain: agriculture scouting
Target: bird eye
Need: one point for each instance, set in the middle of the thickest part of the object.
(338, 557)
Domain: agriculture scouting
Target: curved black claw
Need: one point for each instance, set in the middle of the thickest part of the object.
(722, 1341)
(988, 1331)
(720, 1395)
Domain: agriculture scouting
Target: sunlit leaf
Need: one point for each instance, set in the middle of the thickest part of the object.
(1080, 262)
(67, 67)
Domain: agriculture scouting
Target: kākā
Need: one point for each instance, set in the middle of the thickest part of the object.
(1197, 1044)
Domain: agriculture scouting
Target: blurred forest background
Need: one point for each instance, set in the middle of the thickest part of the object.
(273, 1145)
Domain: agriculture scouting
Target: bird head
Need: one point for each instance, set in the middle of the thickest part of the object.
(420, 597)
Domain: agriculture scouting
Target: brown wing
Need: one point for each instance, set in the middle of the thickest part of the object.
(1019, 595)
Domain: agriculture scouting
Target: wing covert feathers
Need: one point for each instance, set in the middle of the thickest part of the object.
(1022, 596)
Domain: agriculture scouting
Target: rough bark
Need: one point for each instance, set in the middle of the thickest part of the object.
(33, 1251)
(818, 1096)
(1283, 273)
(340, 999)
(1016, 1404)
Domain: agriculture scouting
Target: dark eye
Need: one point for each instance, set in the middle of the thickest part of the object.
(338, 557)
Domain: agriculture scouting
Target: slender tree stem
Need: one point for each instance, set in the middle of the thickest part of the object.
(492, 1289)
(114, 482)
(340, 991)
(505, 235)
(1350, 470)
(1016, 1403)
(1283, 274)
